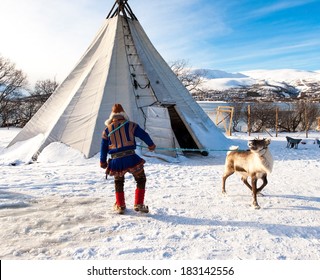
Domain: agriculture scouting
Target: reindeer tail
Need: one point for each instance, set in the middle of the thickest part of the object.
(233, 148)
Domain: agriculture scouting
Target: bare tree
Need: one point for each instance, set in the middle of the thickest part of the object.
(299, 115)
(43, 89)
(191, 79)
(310, 113)
(31, 104)
(262, 116)
(21, 108)
(11, 83)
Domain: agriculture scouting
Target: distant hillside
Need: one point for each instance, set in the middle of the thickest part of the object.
(259, 84)
(216, 74)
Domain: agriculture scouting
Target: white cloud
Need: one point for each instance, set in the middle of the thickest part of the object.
(279, 6)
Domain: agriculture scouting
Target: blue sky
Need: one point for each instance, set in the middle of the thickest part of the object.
(46, 38)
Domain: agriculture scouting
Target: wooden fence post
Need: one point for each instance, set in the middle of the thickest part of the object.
(249, 120)
(277, 119)
(306, 120)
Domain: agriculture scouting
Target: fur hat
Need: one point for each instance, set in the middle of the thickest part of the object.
(117, 110)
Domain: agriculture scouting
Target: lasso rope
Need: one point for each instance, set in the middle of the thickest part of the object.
(178, 149)
(192, 150)
(113, 131)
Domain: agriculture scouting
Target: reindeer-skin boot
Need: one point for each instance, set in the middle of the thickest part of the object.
(139, 201)
(141, 180)
(120, 204)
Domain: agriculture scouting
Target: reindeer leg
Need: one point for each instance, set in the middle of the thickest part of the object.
(224, 178)
(254, 192)
(245, 181)
(264, 183)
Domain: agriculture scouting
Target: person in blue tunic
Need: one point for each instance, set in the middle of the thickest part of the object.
(118, 140)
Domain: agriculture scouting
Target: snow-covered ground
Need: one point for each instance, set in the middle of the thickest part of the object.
(61, 208)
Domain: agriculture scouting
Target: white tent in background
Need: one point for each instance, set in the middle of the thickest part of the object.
(121, 66)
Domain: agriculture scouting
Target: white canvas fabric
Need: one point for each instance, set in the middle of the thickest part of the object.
(158, 126)
(120, 66)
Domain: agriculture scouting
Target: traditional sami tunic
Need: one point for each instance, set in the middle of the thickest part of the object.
(118, 140)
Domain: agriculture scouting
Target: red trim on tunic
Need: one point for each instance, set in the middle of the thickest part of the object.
(131, 170)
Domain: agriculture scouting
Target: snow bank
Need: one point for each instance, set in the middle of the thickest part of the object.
(21, 152)
(58, 152)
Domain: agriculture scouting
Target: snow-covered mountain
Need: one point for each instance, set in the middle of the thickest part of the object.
(217, 74)
(285, 75)
(276, 83)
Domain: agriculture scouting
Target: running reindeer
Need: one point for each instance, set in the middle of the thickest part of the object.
(256, 163)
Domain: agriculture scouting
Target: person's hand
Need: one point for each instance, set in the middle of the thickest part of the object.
(103, 165)
(152, 148)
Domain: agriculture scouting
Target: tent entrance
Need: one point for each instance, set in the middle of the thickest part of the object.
(180, 130)
(168, 130)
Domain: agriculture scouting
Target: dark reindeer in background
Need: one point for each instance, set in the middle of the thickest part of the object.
(255, 163)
